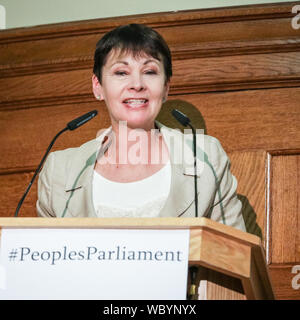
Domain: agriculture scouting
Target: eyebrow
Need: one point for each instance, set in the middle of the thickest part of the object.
(126, 63)
(150, 60)
(121, 62)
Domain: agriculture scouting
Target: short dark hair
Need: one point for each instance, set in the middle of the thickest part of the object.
(135, 38)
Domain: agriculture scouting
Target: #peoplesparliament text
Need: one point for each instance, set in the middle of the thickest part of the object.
(89, 253)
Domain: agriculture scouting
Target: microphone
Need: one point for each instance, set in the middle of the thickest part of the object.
(76, 123)
(181, 117)
(72, 125)
(185, 121)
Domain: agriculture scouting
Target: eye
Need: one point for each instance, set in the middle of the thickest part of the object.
(150, 71)
(120, 73)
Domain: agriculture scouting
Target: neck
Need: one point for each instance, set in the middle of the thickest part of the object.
(134, 146)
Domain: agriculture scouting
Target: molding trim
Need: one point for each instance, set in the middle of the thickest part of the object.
(180, 52)
(155, 20)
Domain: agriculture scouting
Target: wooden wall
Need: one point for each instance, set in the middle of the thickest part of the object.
(236, 72)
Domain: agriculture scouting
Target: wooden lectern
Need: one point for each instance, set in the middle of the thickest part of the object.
(232, 263)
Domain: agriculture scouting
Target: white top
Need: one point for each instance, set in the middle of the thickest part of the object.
(143, 198)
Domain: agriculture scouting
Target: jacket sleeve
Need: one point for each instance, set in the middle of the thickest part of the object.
(43, 204)
(226, 208)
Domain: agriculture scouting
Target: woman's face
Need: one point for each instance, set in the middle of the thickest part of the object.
(133, 88)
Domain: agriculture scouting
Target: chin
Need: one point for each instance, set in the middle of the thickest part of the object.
(146, 125)
(139, 121)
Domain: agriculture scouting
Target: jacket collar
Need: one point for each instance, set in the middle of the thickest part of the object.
(92, 149)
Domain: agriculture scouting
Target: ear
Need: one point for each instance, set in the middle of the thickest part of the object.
(97, 88)
(167, 87)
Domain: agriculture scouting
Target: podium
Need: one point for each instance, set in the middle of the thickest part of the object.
(231, 262)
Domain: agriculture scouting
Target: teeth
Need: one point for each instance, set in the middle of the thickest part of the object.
(135, 101)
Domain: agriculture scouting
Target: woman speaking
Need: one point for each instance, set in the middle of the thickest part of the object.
(116, 176)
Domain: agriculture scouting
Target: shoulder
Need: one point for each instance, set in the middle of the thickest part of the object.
(60, 162)
(214, 150)
(80, 153)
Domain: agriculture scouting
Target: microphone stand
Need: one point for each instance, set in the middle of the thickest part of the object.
(185, 121)
(38, 170)
(193, 270)
(195, 168)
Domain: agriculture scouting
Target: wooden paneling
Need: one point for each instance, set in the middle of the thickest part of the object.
(246, 120)
(249, 170)
(282, 278)
(236, 74)
(191, 75)
(45, 46)
(13, 187)
(264, 45)
(284, 220)
(46, 85)
(285, 209)
(223, 287)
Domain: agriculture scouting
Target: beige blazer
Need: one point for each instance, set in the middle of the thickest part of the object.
(65, 182)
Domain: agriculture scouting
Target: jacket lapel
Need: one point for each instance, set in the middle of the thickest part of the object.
(79, 183)
(182, 194)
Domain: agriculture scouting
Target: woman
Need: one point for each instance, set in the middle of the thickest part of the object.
(137, 167)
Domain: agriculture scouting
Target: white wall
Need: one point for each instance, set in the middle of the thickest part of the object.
(22, 13)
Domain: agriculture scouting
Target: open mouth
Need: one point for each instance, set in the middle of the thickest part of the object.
(135, 103)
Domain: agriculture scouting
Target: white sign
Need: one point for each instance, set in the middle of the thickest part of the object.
(93, 264)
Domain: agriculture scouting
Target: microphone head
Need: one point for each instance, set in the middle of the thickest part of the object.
(181, 117)
(76, 123)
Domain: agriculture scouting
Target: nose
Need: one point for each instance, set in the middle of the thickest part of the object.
(137, 82)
